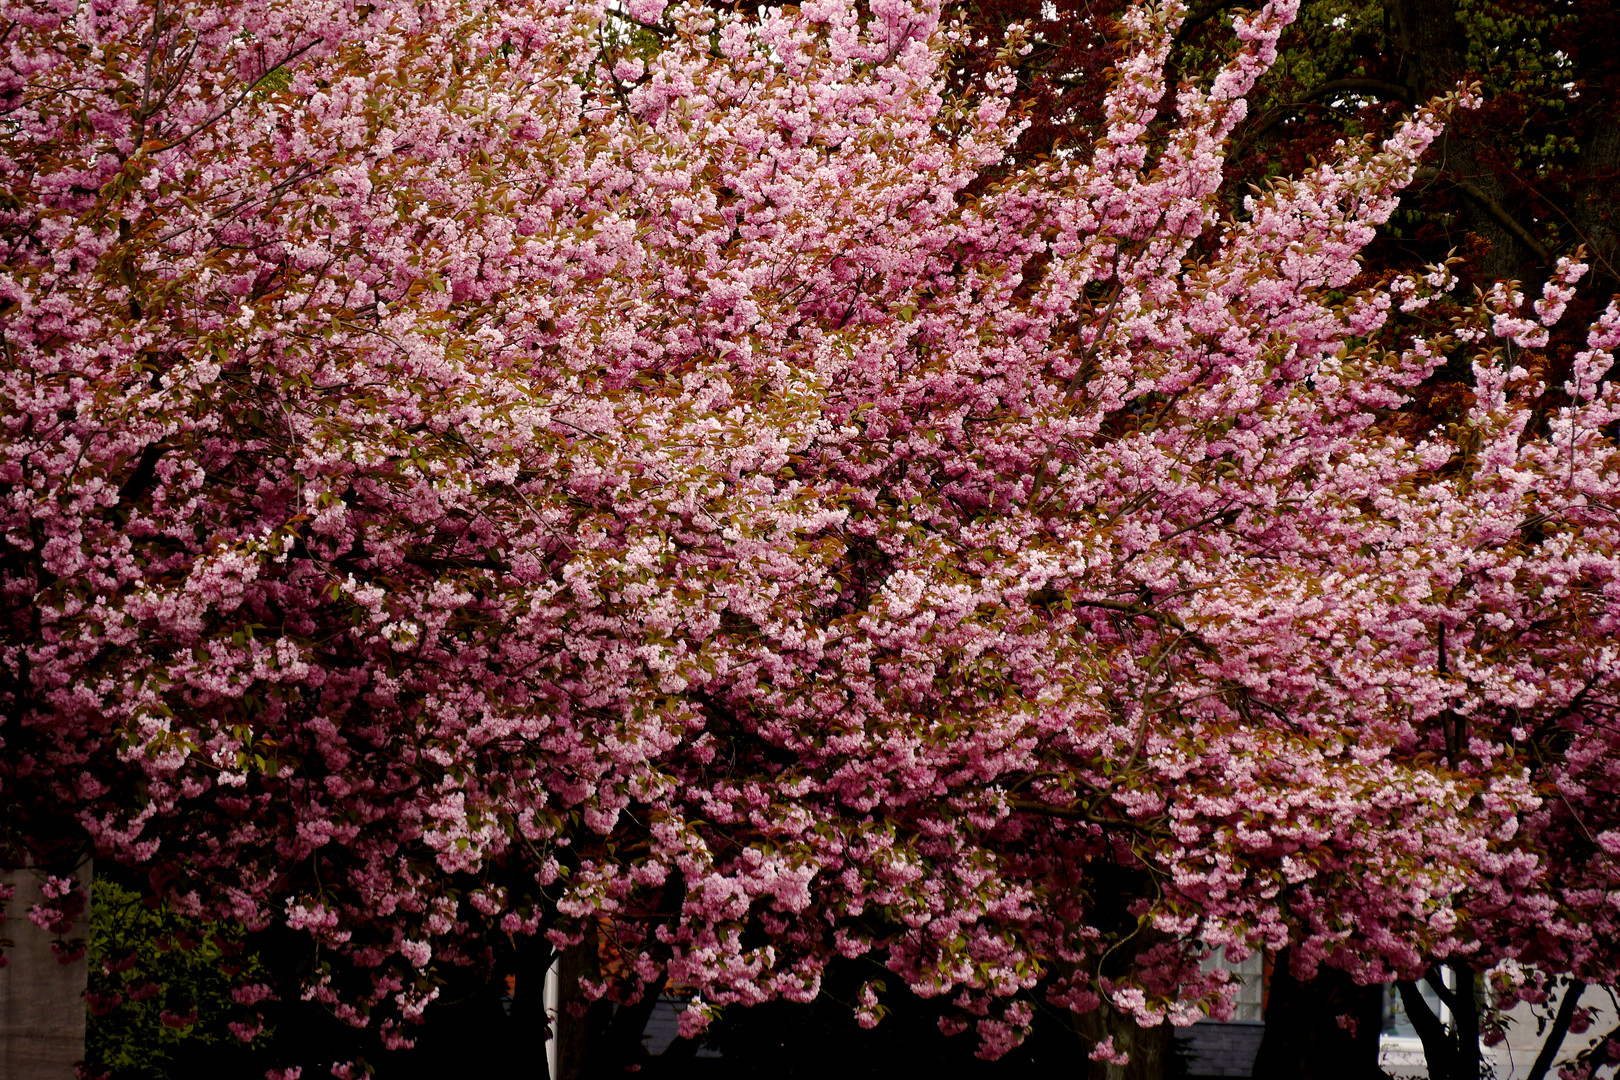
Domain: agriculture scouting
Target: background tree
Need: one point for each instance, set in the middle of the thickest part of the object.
(1526, 178)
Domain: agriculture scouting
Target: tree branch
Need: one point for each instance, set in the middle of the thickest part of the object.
(1034, 806)
(1274, 116)
(1560, 1027)
(1198, 18)
(1437, 983)
(1375, 87)
(1495, 210)
(661, 31)
(232, 106)
(1138, 610)
(1436, 1040)
(1078, 813)
(1597, 1055)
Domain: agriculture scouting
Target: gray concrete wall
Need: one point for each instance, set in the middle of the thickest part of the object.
(41, 1001)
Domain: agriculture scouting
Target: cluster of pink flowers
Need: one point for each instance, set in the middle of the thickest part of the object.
(478, 468)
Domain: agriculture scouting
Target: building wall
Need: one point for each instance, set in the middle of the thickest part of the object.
(1216, 1049)
(41, 1001)
(1523, 1043)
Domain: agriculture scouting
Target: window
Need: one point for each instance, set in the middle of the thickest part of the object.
(1248, 1007)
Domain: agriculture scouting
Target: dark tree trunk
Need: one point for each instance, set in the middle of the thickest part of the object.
(1304, 1039)
(1450, 1049)
(1597, 204)
(1465, 1008)
(622, 1049)
(597, 1039)
(575, 1018)
(1595, 199)
(1434, 61)
(1149, 1048)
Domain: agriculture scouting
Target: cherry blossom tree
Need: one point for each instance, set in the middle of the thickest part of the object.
(490, 471)
(1526, 635)
(1506, 549)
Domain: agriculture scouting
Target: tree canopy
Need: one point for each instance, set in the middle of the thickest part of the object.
(478, 471)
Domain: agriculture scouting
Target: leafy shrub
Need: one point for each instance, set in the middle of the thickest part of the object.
(165, 989)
